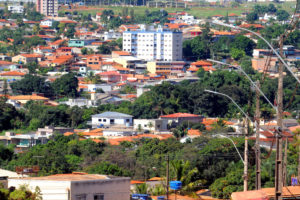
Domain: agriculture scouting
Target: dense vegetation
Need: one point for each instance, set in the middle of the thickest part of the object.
(166, 98)
(204, 162)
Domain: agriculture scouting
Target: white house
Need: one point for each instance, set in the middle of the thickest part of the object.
(116, 131)
(94, 87)
(77, 186)
(47, 22)
(16, 9)
(156, 125)
(110, 119)
(152, 45)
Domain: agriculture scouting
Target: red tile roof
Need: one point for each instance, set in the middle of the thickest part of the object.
(177, 115)
(252, 25)
(12, 73)
(202, 63)
(194, 132)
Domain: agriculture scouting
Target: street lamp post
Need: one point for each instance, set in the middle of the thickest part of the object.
(223, 136)
(252, 82)
(245, 161)
(258, 35)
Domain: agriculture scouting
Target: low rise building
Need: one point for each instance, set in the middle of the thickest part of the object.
(178, 118)
(77, 186)
(155, 125)
(16, 9)
(111, 118)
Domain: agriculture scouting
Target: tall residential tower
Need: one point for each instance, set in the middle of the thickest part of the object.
(47, 7)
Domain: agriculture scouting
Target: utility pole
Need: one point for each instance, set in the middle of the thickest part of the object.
(285, 163)
(246, 157)
(257, 142)
(167, 174)
(278, 164)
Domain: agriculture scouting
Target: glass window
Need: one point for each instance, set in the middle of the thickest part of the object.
(100, 120)
(127, 120)
(98, 196)
(80, 197)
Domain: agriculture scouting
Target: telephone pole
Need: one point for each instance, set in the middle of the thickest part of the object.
(167, 174)
(246, 157)
(257, 142)
(285, 163)
(278, 164)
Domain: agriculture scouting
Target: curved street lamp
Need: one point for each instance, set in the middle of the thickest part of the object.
(258, 35)
(254, 84)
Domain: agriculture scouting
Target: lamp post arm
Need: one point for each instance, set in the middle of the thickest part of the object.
(234, 146)
(241, 69)
(258, 35)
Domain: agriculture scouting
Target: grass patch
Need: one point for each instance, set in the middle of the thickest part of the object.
(199, 12)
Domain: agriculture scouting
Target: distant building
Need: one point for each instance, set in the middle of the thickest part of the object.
(16, 9)
(156, 125)
(154, 45)
(47, 7)
(178, 118)
(111, 119)
(77, 186)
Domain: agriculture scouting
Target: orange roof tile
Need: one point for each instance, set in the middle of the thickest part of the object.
(194, 132)
(252, 25)
(294, 129)
(12, 73)
(28, 97)
(133, 182)
(32, 55)
(232, 15)
(177, 115)
(202, 63)
(68, 133)
(155, 179)
(121, 53)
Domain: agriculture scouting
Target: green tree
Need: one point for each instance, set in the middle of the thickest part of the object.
(66, 85)
(30, 84)
(237, 54)
(282, 15)
(252, 17)
(243, 43)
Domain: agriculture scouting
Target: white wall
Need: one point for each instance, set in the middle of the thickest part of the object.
(51, 190)
(106, 121)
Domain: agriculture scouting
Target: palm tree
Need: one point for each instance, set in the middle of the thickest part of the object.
(150, 125)
(141, 188)
(186, 175)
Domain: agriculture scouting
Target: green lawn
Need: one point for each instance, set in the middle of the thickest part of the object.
(200, 12)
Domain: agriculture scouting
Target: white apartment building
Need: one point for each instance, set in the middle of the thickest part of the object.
(16, 9)
(154, 45)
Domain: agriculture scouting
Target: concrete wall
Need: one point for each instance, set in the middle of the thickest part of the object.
(157, 124)
(112, 189)
(51, 190)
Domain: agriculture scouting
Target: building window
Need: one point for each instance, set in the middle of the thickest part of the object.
(100, 120)
(127, 120)
(112, 121)
(98, 196)
(104, 120)
(80, 197)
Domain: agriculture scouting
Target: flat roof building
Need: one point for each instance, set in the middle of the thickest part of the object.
(77, 186)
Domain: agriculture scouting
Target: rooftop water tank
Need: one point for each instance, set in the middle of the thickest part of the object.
(140, 196)
(175, 185)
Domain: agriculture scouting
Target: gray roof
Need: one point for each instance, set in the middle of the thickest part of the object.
(115, 115)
